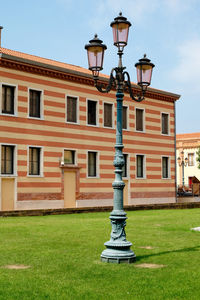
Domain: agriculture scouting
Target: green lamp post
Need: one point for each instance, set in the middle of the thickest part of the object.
(118, 248)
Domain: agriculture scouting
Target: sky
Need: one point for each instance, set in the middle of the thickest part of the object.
(168, 31)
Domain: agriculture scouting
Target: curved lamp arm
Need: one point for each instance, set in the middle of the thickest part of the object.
(109, 86)
(127, 83)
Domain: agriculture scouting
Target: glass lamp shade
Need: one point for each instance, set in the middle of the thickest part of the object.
(95, 51)
(144, 71)
(120, 27)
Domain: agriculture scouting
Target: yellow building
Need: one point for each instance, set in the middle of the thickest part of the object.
(57, 136)
(187, 145)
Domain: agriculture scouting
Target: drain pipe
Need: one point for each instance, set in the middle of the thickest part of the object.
(1, 27)
(175, 150)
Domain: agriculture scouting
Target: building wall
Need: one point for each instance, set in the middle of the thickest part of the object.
(189, 171)
(54, 134)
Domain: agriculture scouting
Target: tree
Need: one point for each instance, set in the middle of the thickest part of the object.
(198, 157)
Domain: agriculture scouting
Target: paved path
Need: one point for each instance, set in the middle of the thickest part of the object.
(188, 199)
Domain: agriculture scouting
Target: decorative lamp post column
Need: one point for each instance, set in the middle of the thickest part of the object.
(118, 248)
(182, 163)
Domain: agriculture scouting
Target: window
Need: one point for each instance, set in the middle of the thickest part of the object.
(92, 112)
(140, 166)
(124, 168)
(7, 159)
(71, 109)
(139, 119)
(124, 117)
(35, 104)
(34, 160)
(165, 167)
(108, 115)
(165, 123)
(92, 164)
(8, 93)
(69, 157)
(190, 159)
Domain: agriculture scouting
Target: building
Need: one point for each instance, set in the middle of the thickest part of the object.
(57, 136)
(188, 144)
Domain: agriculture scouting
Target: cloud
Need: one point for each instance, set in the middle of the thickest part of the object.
(132, 9)
(187, 71)
(179, 6)
(137, 10)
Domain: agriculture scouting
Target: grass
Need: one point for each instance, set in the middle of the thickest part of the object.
(63, 252)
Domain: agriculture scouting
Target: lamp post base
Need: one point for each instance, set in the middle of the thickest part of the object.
(118, 255)
(118, 248)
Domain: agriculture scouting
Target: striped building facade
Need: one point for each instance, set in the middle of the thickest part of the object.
(57, 137)
(187, 145)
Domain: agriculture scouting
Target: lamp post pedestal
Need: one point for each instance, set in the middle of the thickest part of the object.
(118, 248)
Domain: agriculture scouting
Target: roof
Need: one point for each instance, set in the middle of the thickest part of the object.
(42, 60)
(188, 136)
(64, 67)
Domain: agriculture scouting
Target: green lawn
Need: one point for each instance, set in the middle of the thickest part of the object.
(63, 253)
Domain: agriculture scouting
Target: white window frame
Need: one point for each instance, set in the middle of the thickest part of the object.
(41, 161)
(14, 158)
(166, 113)
(77, 109)
(127, 167)
(75, 157)
(15, 99)
(144, 166)
(169, 167)
(194, 159)
(127, 117)
(41, 104)
(107, 127)
(97, 114)
(143, 121)
(97, 164)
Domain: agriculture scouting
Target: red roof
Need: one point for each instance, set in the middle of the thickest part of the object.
(44, 60)
(188, 136)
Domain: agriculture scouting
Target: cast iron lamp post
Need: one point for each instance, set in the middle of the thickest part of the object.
(182, 163)
(118, 248)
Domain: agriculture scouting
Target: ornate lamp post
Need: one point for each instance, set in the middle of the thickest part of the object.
(118, 248)
(182, 163)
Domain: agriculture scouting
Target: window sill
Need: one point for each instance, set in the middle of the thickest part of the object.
(8, 175)
(165, 134)
(140, 131)
(107, 127)
(35, 176)
(36, 118)
(126, 129)
(8, 115)
(72, 123)
(69, 167)
(90, 125)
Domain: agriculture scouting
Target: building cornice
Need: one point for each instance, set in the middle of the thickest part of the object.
(35, 67)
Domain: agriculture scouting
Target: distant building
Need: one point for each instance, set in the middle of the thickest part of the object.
(57, 137)
(188, 143)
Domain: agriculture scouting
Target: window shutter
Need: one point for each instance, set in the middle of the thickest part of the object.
(139, 119)
(107, 115)
(124, 117)
(71, 109)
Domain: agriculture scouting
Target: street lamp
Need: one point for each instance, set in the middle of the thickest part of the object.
(118, 248)
(182, 163)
